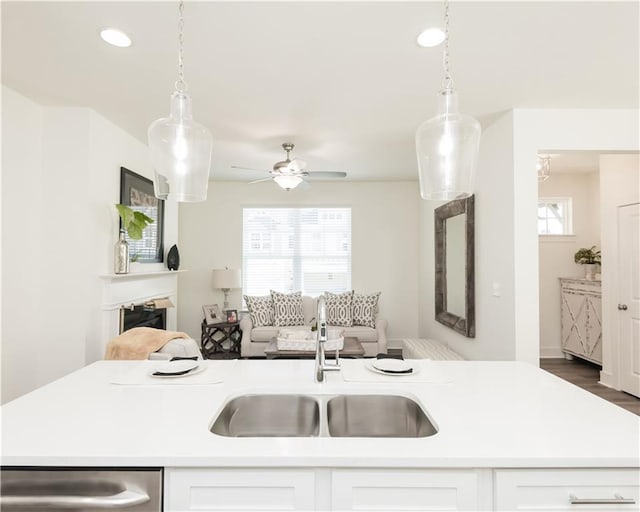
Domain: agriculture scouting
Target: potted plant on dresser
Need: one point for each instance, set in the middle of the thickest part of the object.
(590, 258)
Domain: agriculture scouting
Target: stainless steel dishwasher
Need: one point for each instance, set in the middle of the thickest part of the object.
(80, 489)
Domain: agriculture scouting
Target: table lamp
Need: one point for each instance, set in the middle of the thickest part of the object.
(225, 279)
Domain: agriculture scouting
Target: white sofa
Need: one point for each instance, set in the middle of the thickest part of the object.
(256, 339)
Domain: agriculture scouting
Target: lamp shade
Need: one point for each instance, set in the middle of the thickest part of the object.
(226, 278)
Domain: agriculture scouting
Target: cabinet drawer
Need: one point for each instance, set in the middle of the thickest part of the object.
(396, 489)
(554, 489)
(239, 489)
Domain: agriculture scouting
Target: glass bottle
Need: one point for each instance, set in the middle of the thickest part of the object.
(121, 255)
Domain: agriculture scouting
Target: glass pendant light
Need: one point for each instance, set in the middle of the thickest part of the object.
(180, 148)
(447, 144)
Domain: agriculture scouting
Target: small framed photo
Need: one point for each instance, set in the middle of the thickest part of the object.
(232, 316)
(212, 314)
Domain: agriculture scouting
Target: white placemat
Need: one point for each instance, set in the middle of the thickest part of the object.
(139, 374)
(355, 370)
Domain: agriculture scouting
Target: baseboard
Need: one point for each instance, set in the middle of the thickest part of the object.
(606, 379)
(394, 343)
(551, 353)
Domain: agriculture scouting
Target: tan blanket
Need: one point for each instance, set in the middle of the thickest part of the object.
(139, 342)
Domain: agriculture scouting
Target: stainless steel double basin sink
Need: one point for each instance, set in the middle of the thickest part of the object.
(274, 415)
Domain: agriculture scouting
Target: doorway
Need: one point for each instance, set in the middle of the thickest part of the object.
(579, 316)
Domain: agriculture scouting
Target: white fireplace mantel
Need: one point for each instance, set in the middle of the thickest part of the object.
(122, 290)
(141, 275)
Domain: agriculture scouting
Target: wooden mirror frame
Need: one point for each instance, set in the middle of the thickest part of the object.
(467, 325)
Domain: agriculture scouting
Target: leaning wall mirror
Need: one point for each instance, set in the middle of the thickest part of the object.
(454, 259)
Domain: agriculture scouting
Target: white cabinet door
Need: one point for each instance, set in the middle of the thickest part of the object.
(405, 489)
(582, 318)
(239, 489)
(556, 489)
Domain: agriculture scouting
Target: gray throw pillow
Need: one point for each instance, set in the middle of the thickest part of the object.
(364, 309)
(260, 310)
(287, 309)
(339, 308)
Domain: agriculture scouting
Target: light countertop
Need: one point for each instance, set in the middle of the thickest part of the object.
(489, 414)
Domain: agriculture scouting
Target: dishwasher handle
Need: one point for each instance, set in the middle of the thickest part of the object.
(122, 499)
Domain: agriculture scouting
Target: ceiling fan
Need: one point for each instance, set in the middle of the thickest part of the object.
(288, 173)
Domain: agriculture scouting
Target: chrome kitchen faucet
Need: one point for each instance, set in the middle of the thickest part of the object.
(322, 335)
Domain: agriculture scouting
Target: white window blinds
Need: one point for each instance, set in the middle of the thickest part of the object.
(296, 249)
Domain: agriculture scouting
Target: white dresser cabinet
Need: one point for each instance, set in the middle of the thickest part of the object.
(582, 318)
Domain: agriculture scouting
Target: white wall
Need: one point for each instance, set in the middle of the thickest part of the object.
(557, 252)
(109, 149)
(22, 123)
(384, 243)
(548, 131)
(60, 180)
(507, 327)
(495, 328)
(619, 185)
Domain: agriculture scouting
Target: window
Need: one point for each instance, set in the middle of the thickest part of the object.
(554, 216)
(296, 249)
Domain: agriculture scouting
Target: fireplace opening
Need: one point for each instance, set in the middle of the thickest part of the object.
(142, 316)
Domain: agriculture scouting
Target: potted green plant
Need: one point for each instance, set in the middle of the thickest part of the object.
(590, 258)
(134, 223)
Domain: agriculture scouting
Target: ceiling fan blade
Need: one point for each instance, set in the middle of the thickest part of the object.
(304, 185)
(297, 165)
(261, 179)
(327, 174)
(248, 168)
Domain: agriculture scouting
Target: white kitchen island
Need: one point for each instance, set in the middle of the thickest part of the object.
(509, 436)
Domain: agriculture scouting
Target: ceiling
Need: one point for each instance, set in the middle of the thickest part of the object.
(344, 81)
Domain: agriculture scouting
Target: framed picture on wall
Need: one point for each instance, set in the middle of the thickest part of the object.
(137, 192)
(212, 314)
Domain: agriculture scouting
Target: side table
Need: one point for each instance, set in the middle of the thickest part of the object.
(213, 338)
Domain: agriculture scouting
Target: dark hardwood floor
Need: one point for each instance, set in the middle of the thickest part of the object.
(586, 375)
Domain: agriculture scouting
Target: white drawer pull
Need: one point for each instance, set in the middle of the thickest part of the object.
(616, 500)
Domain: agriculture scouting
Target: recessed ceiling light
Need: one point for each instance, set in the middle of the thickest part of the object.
(115, 37)
(431, 37)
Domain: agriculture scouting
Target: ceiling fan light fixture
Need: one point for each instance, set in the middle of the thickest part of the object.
(287, 182)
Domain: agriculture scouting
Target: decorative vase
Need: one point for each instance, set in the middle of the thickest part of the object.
(121, 255)
(589, 271)
(173, 258)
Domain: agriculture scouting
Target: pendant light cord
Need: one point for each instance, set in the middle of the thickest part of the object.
(181, 85)
(447, 81)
